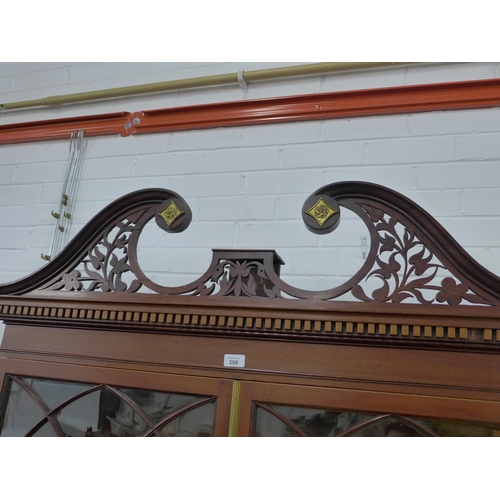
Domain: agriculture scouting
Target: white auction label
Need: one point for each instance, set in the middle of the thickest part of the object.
(234, 360)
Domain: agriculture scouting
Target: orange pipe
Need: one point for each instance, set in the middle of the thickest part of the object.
(352, 103)
(48, 130)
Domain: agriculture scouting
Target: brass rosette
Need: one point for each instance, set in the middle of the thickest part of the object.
(174, 215)
(321, 214)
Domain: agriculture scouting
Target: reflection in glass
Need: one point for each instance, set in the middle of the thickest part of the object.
(388, 427)
(269, 425)
(198, 422)
(45, 431)
(22, 412)
(281, 420)
(101, 413)
(316, 422)
(55, 408)
(460, 428)
(158, 405)
(53, 393)
(272, 420)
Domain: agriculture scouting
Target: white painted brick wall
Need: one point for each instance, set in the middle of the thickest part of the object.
(457, 175)
(371, 127)
(231, 160)
(482, 202)
(410, 150)
(463, 121)
(478, 146)
(434, 73)
(246, 185)
(322, 155)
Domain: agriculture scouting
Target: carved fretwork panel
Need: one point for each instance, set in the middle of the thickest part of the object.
(406, 267)
(242, 273)
(410, 258)
(105, 263)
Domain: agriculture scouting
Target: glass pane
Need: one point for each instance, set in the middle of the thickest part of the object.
(388, 427)
(158, 405)
(199, 422)
(458, 428)
(318, 422)
(22, 412)
(268, 425)
(106, 412)
(54, 392)
(101, 414)
(45, 431)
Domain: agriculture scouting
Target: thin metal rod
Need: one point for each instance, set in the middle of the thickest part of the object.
(204, 81)
(64, 217)
(68, 212)
(56, 236)
(64, 196)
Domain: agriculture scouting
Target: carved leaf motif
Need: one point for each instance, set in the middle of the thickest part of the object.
(250, 286)
(97, 278)
(420, 262)
(122, 241)
(375, 214)
(388, 244)
(96, 257)
(118, 266)
(272, 294)
(408, 239)
(203, 290)
(382, 292)
(419, 296)
(400, 296)
(420, 282)
(224, 284)
(475, 299)
(358, 292)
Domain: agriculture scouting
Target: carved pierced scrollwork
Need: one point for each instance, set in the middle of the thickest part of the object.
(405, 262)
(104, 252)
(238, 273)
(243, 278)
(106, 262)
(411, 257)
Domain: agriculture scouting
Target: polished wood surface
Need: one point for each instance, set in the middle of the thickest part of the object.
(377, 355)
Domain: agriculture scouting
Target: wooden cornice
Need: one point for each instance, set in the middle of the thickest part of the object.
(321, 106)
(463, 328)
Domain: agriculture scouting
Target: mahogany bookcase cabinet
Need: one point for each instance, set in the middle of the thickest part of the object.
(240, 352)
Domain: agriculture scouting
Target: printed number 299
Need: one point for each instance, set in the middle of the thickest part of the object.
(234, 360)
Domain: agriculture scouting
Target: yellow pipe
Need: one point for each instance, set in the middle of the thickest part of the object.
(203, 81)
(314, 69)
